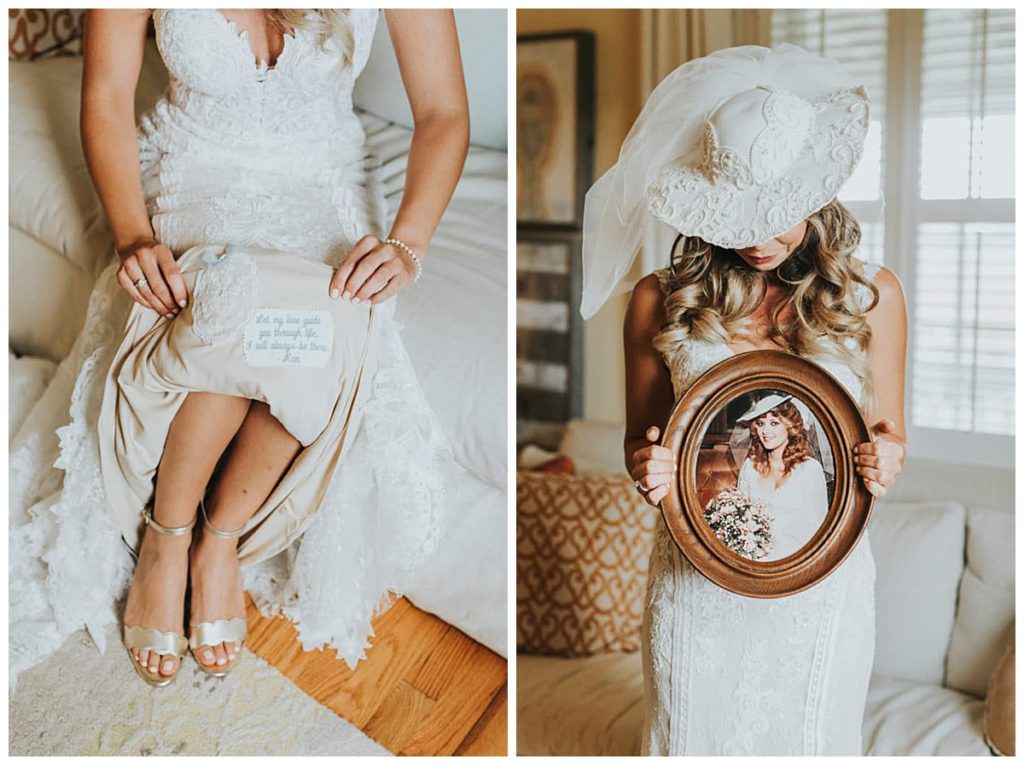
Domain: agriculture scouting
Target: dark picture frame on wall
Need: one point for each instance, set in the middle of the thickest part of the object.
(549, 334)
(554, 127)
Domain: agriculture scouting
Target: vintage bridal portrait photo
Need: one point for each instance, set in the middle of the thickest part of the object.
(764, 475)
(257, 357)
(765, 382)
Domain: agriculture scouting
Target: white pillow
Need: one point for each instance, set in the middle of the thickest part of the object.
(58, 234)
(483, 42)
(985, 613)
(595, 447)
(48, 297)
(27, 380)
(533, 456)
(919, 552)
(465, 581)
(51, 195)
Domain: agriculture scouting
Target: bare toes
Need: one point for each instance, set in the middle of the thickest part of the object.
(154, 661)
(222, 655)
(169, 666)
(233, 649)
(206, 656)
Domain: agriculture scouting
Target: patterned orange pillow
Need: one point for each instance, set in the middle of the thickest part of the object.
(582, 548)
(36, 33)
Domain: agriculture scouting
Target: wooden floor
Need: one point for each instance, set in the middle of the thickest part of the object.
(425, 688)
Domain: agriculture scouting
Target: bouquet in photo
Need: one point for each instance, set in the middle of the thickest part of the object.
(743, 525)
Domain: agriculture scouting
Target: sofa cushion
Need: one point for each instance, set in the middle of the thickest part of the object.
(482, 41)
(52, 196)
(919, 551)
(582, 549)
(46, 319)
(27, 379)
(985, 610)
(595, 447)
(53, 204)
(587, 706)
(903, 717)
(594, 705)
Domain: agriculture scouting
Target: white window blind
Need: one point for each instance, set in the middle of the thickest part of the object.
(857, 39)
(950, 216)
(963, 374)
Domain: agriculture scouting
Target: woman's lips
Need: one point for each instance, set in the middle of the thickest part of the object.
(762, 259)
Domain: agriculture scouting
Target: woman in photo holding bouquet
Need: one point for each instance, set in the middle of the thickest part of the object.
(781, 474)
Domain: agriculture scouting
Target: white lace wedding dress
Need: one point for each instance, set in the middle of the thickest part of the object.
(726, 674)
(797, 507)
(240, 153)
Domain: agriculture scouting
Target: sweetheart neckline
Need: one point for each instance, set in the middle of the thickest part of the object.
(242, 37)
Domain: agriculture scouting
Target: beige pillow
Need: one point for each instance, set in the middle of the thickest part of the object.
(582, 549)
(1000, 706)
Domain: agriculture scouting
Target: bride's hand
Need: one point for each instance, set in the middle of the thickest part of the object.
(162, 287)
(652, 467)
(372, 271)
(879, 461)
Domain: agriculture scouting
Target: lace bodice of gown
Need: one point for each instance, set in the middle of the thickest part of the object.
(238, 152)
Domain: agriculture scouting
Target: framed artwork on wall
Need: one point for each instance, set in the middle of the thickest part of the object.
(554, 127)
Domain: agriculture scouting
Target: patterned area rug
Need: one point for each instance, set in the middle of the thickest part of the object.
(83, 702)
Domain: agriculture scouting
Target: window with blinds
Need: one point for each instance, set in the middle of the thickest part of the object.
(857, 39)
(955, 225)
(963, 349)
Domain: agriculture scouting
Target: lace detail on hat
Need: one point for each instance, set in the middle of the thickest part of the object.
(226, 292)
(797, 163)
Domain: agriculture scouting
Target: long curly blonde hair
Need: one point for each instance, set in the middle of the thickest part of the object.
(712, 293)
(326, 24)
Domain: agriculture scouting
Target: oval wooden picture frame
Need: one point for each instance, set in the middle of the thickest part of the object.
(851, 504)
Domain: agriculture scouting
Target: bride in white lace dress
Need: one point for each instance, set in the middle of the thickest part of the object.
(780, 473)
(742, 153)
(253, 144)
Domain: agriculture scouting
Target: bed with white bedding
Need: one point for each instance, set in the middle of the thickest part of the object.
(454, 318)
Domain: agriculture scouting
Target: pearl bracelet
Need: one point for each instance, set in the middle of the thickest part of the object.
(408, 250)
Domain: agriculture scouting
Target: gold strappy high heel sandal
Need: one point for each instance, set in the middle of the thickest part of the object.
(210, 634)
(156, 641)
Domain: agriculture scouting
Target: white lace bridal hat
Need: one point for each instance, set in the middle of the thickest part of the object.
(735, 148)
(769, 402)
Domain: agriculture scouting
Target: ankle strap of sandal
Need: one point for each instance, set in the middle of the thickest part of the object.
(174, 531)
(214, 530)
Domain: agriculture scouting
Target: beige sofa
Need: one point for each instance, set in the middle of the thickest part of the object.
(944, 616)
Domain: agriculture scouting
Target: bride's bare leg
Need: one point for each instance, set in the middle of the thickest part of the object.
(255, 461)
(199, 433)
